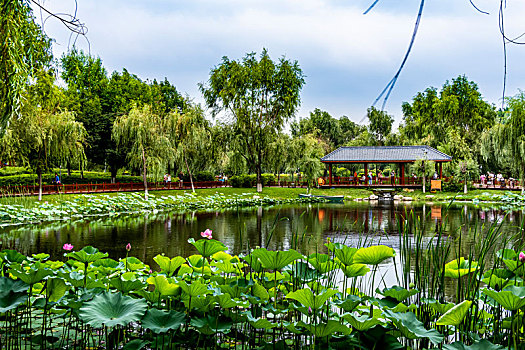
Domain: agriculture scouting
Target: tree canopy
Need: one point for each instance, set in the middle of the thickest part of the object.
(260, 96)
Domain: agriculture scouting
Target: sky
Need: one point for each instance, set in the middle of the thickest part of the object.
(347, 57)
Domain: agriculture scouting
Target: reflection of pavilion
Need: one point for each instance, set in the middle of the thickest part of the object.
(399, 155)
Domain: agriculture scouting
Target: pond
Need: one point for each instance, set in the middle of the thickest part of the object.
(304, 227)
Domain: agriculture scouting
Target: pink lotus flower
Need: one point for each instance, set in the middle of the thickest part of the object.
(522, 257)
(67, 246)
(128, 247)
(206, 234)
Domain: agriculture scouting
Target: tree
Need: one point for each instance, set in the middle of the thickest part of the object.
(380, 124)
(260, 95)
(308, 151)
(142, 133)
(41, 139)
(87, 84)
(451, 120)
(514, 133)
(191, 138)
(24, 50)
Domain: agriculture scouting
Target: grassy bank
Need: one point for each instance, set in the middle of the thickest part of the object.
(280, 194)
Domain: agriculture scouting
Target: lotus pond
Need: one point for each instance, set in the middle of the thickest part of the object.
(328, 276)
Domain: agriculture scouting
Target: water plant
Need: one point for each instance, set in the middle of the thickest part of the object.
(264, 299)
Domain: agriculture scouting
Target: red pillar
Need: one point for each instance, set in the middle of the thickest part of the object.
(402, 173)
(366, 169)
(330, 174)
(440, 171)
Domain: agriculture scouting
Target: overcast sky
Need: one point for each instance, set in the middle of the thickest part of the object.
(347, 57)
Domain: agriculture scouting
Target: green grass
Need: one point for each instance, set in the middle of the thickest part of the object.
(278, 193)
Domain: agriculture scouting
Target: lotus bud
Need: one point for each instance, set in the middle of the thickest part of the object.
(128, 247)
(522, 257)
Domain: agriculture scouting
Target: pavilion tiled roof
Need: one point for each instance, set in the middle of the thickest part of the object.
(385, 154)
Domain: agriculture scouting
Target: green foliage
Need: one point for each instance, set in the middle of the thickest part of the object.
(455, 315)
(380, 124)
(249, 181)
(260, 95)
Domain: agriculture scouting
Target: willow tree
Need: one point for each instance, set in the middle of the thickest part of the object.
(260, 96)
(142, 133)
(190, 135)
(40, 140)
(308, 150)
(514, 133)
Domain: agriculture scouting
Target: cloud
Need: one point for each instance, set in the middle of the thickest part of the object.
(347, 57)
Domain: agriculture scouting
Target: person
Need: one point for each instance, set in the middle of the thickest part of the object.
(482, 179)
(370, 178)
(414, 177)
(57, 181)
(168, 180)
(165, 179)
(392, 177)
(355, 177)
(435, 177)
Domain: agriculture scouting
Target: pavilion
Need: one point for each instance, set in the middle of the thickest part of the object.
(400, 155)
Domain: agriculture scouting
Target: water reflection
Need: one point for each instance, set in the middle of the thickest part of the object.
(305, 227)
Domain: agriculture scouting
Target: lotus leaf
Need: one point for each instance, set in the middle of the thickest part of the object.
(325, 329)
(167, 265)
(345, 254)
(516, 267)
(308, 299)
(276, 260)
(208, 247)
(124, 285)
(460, 267)
(163, 286)
(260, 323)
(12, 256)
(56, 288)
(112, 309)
(210, 325)
(363, 322)
(350, 303)
(511, 298)
(135, 344)
(506, 254)
(355, 270)
(194, 289)
(373, 255)
(455, 316)
(322, 263)
(33, 274)
(225, 301)
(12, 294)
(87, 255)
(254, 262)
(302, 272)
(478, 345)
(439, 307)
(160, 321)
(398, 293)
(412, 328)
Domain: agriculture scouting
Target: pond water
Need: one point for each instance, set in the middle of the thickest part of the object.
(303, 227)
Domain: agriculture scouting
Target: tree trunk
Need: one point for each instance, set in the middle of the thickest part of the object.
(39, 171)
(259, 179)
(68, 168)
(144, 174)
(465, 186)
(189, 173)
(424, 181)
(279, 179)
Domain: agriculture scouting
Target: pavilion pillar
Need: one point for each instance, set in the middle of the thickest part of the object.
(402, 173)
(330, 174)
(440, 170)
(366, 169)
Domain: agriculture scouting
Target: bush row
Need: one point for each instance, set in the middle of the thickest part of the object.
(248, 181)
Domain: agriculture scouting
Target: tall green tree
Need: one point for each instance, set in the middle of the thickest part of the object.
(514, 133)
(308, 151)
(142, 134)
(24, 48)
(380, 124)
(260, 95)
(451, 120)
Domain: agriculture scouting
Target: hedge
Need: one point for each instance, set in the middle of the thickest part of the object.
(74, 178)
(248, 181)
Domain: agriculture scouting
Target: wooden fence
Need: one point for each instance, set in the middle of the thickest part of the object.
(31, 190)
